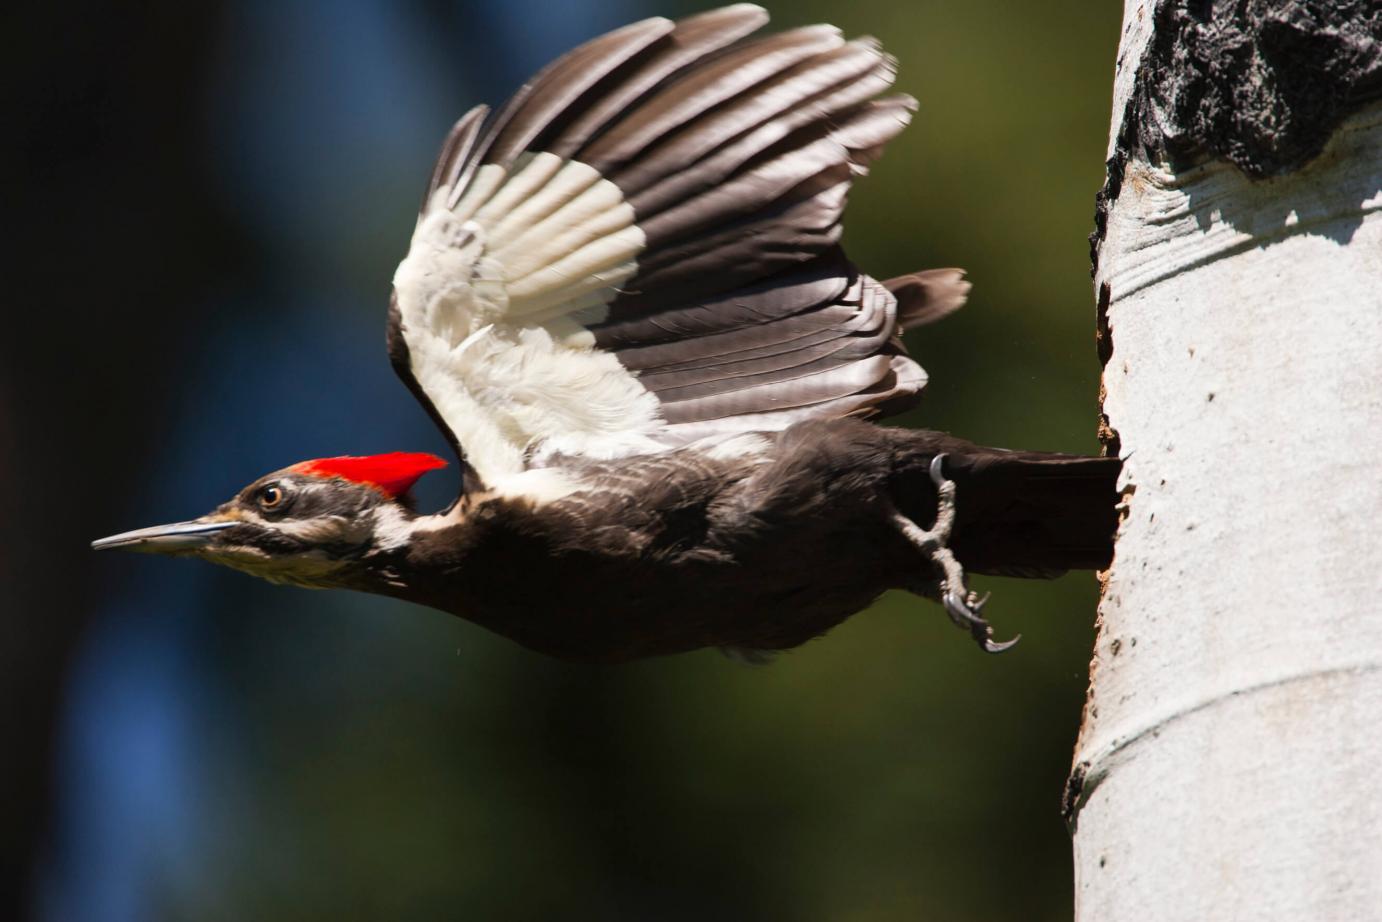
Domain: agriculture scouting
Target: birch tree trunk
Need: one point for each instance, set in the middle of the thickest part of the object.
(1230, 761)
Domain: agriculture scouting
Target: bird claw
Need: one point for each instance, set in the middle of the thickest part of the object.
(964, 606)
(966, 613)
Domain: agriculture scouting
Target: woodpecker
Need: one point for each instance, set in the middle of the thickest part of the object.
(626, 306)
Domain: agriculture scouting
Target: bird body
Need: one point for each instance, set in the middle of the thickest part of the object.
(757, 550)
(626, 307)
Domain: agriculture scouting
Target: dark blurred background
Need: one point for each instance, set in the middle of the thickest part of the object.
(206, 202)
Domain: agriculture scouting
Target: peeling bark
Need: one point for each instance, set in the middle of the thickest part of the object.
(1228, 765)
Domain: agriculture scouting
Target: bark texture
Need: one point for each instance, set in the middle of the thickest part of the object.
(1260, 83)
(1228, 763)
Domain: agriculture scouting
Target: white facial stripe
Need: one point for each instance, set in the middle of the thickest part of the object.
(329, 529)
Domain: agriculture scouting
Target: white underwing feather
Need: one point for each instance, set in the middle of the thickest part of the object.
(487, 179)
(548, 207)
(484, 297)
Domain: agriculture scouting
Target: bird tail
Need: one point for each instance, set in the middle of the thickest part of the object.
(1022, 513)
(927, 296)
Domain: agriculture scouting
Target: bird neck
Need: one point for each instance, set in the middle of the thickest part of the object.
(412, 554)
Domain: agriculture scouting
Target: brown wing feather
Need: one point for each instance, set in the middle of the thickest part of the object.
(736, 157)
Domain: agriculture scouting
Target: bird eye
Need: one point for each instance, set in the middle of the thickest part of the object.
(271, 496)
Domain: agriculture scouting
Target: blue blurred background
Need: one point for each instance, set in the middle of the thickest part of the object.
(210, 199)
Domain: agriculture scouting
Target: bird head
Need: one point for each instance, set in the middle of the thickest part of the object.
(318, 524)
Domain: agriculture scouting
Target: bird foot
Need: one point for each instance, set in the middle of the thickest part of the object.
(965, 612)
(964, 606)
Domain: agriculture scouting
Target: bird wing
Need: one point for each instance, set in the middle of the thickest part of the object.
(640, 249)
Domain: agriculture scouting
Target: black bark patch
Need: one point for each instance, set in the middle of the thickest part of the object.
(1074, 795)
(1103, 200)
(1260, 83)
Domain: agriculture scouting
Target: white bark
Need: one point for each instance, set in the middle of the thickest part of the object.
(1231, 754)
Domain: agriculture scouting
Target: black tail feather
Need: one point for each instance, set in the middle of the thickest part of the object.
(1024, 513)
(1032, 514)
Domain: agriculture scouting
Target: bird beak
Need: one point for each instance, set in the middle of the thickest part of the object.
(178, 538)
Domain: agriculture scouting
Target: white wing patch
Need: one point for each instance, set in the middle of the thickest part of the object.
(492, 297)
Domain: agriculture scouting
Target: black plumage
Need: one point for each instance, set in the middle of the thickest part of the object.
(677, 551)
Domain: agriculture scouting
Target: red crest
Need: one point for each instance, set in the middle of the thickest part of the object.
(393, 473)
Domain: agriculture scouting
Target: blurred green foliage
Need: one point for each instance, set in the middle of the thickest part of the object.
(390, 762)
